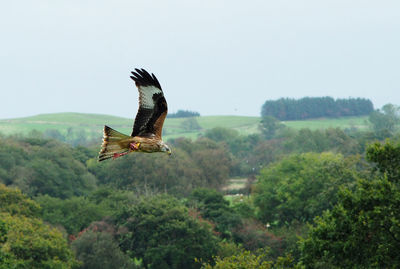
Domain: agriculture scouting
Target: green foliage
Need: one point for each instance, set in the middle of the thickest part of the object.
(241, 148)
(74, 213)
(31, 244)
(316, 107)
(387, 159)
(72, 126)
(253, 235)
(251, 260)
(243, 260)
(99, 249)
(213, 207)
(25, 242)
(214, 161)
(112, 201)
(160, 231)
(358, 123)
(228, 248)
(220, 134)
(154, 172)
(12, 201)
(301, 186)
(269, 126)
(387, 119)
(291, 236)
(75, 136)
(183, 114)
(39, 166)
(190, 124)
(245, 207)
(192, 164)
(361, 231)
(306, 140)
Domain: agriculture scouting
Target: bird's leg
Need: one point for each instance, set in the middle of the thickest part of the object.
(116, 155)
(134, 146)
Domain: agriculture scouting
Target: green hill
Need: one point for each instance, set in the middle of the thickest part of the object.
(360, 122)
(90, 125)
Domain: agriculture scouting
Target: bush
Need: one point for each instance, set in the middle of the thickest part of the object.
(301, 186)
(160, 231)
(97, 248)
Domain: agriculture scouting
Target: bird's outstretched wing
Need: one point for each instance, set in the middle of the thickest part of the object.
(152, 105)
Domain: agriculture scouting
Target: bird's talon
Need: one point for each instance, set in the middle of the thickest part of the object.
(134, 146)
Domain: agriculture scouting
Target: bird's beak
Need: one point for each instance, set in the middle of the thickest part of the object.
(169, 153)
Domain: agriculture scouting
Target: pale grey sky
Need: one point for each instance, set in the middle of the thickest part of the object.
(215, 57)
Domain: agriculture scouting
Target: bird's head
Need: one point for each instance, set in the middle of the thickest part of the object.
(166, 149)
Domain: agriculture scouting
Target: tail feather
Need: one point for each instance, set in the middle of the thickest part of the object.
(111, 144)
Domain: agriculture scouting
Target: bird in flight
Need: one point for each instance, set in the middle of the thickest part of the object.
(147, 127)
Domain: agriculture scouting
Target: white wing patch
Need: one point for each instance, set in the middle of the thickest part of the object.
(146, 96)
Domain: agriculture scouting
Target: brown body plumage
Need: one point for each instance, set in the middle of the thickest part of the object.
(147, 128)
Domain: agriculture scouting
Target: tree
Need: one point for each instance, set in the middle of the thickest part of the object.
(301, 186)
(74, 214)
(221, 134)
(269, 126)
(190, 124)
(214, 161)
(160, 231)
(97, 248)
(183, 114)
(54, 134)
(251, 260)
(193, 164)
(243, 260)
(315, 107)
(253, 235)
(25, 242)
(387, 159)
(215, 208)
(40, 166)
(31, 244)
(361, 231)
(151, 172)
(12, 201)
(385, 119)
(241, 147)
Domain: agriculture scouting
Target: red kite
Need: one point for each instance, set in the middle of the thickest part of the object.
(147, 128)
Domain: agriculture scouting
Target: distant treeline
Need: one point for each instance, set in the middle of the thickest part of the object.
(184, 114)
(316, 107)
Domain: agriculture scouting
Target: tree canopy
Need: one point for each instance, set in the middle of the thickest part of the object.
(183, 114)
(160, 231)
(42, 166)
(315, 107)
(301, 186)
(385, 119)
(25, 241)
(362, 230)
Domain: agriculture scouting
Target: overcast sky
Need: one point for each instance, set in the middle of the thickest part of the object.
(215, 57)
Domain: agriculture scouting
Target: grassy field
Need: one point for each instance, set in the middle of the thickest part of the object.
(345, 122)
(91, 124)
(235, 184)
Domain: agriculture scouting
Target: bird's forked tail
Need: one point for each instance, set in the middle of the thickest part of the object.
(112, 146)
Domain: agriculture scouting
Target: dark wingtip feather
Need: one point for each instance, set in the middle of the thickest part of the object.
(143, 78)
(103, 157)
